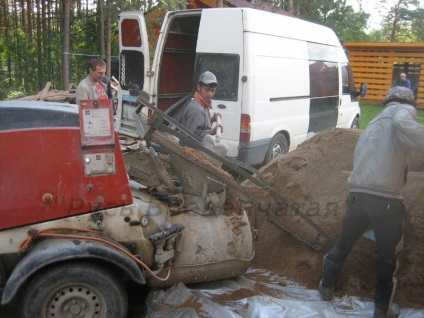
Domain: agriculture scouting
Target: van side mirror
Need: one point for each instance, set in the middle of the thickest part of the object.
(364, 89)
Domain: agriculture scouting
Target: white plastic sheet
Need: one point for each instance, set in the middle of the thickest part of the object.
(258, 294)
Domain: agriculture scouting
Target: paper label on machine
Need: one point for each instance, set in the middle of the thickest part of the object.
(96, 122)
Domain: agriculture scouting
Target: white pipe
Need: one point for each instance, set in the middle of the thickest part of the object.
(218, 129)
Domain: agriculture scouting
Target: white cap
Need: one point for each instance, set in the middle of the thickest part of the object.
(207, 78)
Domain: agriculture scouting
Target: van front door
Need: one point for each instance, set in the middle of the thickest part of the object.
(133, 67)
(220, 51)
(349, 104)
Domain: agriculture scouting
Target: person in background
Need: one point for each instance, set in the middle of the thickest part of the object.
(403, 81)
(93, 86)
(196, 116)
(378, 175)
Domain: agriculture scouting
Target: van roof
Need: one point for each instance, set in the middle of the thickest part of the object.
(259, 21)
(264, 22)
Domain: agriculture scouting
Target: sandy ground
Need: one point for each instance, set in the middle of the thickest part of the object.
(314, 177)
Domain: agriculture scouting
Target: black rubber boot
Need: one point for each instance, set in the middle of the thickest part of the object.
(394, 312)
(328, 282)
(384, 308)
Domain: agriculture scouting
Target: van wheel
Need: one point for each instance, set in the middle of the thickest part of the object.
(277, 148)
(75, 290)
(355, 123)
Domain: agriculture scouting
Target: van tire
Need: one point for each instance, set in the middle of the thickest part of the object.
(277, 148)
(72, 289)
(355, 123)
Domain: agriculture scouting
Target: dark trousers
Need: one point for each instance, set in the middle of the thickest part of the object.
(385, 216)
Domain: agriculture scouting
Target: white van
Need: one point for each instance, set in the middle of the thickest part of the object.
(281, 79)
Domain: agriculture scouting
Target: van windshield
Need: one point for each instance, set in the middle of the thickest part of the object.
(226, 69)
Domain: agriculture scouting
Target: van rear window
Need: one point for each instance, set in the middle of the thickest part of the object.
(226, 69)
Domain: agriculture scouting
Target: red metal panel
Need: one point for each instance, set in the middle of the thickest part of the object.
(131, 33)
(177, 68)
(42, 177)
(181, 41)
(173, 67)
(171, 82)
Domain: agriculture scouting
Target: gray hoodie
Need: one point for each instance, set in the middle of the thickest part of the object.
(197, 119)
(379, 161)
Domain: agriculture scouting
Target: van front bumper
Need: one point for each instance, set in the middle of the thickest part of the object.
(253, 152)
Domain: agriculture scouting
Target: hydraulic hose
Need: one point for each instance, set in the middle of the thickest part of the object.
(43, 233)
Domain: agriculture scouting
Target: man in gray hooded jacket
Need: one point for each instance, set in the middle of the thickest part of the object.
(196, 116)
(379, 172)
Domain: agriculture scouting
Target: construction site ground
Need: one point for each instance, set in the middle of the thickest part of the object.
(284, 273)
(314, 178)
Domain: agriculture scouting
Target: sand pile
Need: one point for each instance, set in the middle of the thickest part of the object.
(315, 178)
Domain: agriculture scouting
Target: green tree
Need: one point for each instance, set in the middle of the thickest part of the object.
(417, 25)
(397, 25)
(348, 24)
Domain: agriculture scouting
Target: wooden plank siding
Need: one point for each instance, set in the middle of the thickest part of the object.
(378, 63)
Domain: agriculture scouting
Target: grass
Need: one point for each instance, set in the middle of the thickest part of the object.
(369, 111)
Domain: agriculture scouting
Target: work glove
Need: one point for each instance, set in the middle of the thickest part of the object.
(214, 117)
(215, 128)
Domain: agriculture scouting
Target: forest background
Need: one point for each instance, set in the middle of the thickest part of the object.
(53, 40)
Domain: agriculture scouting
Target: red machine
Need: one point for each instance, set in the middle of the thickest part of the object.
(50, 168)
(74, 231)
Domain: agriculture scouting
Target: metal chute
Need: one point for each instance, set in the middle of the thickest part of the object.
(280, 211)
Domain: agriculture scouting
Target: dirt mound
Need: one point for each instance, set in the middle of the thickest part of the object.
(314, 177)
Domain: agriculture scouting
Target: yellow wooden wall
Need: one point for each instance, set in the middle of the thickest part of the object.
(373, 63)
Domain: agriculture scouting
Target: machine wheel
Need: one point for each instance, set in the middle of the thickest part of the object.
(75, 290)
(355, 123)
(277, 148)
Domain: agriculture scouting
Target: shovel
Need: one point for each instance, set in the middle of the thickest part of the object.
(215, 144)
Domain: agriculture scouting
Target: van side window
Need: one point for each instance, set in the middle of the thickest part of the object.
(226, 69)
(323, 70)
(322, 52)
(323, 86)
(324, 79)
